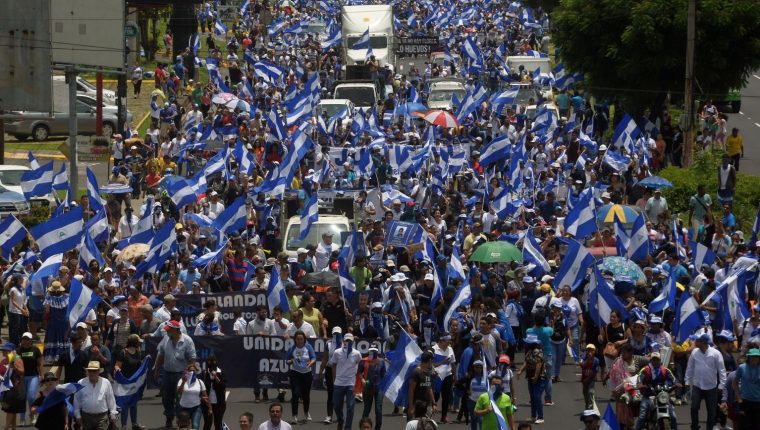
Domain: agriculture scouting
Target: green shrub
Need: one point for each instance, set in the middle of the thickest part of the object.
(704, 170)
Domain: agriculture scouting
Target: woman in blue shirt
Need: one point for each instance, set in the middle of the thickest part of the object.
(301, 359)
(748, 397)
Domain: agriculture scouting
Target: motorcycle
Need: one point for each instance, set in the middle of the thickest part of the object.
(659, 415)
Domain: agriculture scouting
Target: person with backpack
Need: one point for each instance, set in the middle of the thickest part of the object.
(652, 375)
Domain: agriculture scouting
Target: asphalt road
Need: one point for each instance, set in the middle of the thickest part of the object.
(748, 123)
(563, 415)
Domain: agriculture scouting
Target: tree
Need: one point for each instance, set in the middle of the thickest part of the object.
(636, 49)
(183, 23)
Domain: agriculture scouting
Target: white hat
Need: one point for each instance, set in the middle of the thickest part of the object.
(82, 325)
(27, 335)
(605, 195)
(429, 277)
(348, 336)
(337, 329)
(602, 147)
(300, 251)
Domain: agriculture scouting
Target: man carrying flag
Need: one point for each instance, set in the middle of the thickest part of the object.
(495, 408)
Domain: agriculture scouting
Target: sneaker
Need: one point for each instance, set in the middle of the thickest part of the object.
(294, 421)
(358, 398)
(539, 421)
(678, 402)
(548, 403)
(308, 417)
(257, 399)
(327, 420)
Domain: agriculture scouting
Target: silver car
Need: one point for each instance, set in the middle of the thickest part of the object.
(42, 125)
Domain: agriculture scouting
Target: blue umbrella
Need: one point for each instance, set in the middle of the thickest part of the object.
(655, 182)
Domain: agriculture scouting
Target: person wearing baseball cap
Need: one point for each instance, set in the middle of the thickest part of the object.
(655, 374)
(175, 353)
(747, 389)
(345, 363)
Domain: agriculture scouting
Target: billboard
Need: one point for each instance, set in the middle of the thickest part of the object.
(25, 50)
(88, 32)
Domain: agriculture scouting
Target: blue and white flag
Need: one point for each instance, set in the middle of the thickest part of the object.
(206, 259)
(701, 254)
(60, 234)
(504, 98)
(678, 240)
(161, 247)
(755, 227)
(303, 112)
(195, 43)
(462, 297)
(689, 317)
(61, 179)
(472, 101)
(128, 391)
(455, 269)
(733, 303)
(232, 218)
(581, 220)
(533, 255)
(572, 270)
(61, 394)
(667, 297)
(616, 160)
(12, 231)
(622, 240)
(276, 293)
(181, 193)
(625, 133)
(501, 423)
(471, 51)
(33, 163)
(496, 150)
(333, 38)
(93, 192)
(37, 182)
(609, 421)
(268, 71)
(602, 299)
(362, 42)
(89, 251)
(403, 361)
(219, 28)
(309, 216)
(49, 267)
(638, 243)
(81, 301)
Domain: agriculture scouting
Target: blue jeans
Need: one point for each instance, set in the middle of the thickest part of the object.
(536, 402)
(340, 395)
(549, 366)
(195, 415)
(575, 332)
(474, 421)
(169, 393)
(124, 414)
(32, 384)
(558, 357)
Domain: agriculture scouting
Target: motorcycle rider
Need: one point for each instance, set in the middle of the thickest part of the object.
(652, 375)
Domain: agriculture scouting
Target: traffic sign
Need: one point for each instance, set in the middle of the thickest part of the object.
(130, 29)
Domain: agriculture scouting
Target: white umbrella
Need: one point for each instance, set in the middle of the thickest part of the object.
(232, 103)
(223, 98)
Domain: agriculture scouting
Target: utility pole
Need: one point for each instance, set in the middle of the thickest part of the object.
(71, 77)
(689, 84)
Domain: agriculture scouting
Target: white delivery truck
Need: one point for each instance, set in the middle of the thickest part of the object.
(378, 19)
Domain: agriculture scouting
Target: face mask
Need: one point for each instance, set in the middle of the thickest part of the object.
(497, 391)
(349, 347)
(372, 355)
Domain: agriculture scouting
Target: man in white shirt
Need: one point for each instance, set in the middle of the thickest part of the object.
(164, 313)
(345, 362)
(215, 207)
(261, 325)
(275, 421)
(324, 249)
(299, 324)
(655, 206)
(706, 375)
(94, 404)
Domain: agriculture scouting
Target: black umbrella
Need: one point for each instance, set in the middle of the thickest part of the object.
(324, 278)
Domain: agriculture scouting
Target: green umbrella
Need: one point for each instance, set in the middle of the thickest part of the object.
(496, 252)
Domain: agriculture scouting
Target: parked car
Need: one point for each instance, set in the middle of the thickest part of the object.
(42, 125)
(12, 202)
(10, 179)
(86, 87)
(93, 103)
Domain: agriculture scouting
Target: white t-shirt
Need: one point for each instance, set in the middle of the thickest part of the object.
(345, 366)
(306, 328)
(239, 326)
(191, 395)
(17, 300)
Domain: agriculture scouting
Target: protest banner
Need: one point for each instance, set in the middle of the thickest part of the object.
(191, 305)
(253, 361)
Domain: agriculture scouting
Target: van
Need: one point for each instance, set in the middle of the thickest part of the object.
(85, 87)
(442, 93)
(361, 94)
(338, 225)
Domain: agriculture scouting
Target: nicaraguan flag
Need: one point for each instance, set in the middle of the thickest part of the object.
(667, 297)
(93, 192)
(610, 421)
(688, 317)
(12, 231)
(678, 239)
(128, 391)
(602, 298)
(37, 182)
(276, 127)
(472, 101)
(89, 251)
(332, 39)
(232, 218)
(216, 164)
(471, 51)
(403, 360)
(573, 268)
(455, 268)
(532, 254)
(195, 43)
(162, 245)
(625, 133)
(496, 150)
(755, 227)
(622, 241)
(301, 113)
(701, 254)
(33, 163)
(219, 28)
(212, 256)
(181, 193)
(81, 301)
(581, 221)
(49, 267)
(61, 179)
(310, 216)
(61, 393)
(362, 42)
(462, 297)
(504, 98)
(638, 244)
(276, 293)
(617, 161)
(60, 234)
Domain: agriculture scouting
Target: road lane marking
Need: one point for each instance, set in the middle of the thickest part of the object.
(741, 113)
(756, 77)
(758, 125)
